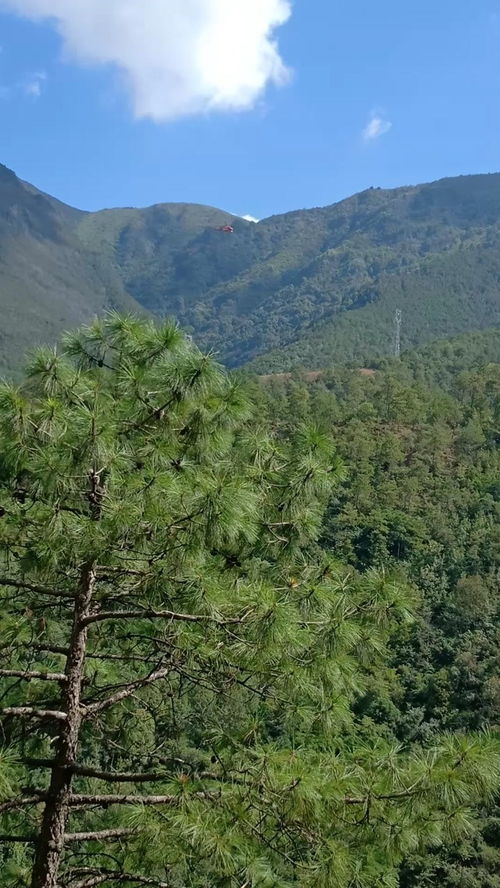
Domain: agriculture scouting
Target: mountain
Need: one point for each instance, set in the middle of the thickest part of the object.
(47, 282)
(312, 287)
(59, 267)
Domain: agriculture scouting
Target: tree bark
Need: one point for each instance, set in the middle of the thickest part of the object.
(50, 844)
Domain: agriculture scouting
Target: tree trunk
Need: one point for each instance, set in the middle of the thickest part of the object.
(50, 844)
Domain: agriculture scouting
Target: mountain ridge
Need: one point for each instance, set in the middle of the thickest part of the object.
(285, 291)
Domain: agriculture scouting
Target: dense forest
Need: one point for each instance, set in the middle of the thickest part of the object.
(249, 629)
(421, 496)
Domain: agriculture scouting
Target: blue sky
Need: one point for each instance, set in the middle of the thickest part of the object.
(385, 93)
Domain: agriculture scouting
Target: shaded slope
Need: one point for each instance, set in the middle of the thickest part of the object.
(165, 255)
(47, 283)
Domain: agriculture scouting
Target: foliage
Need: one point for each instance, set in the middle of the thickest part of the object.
(160, 559)
(421, 495)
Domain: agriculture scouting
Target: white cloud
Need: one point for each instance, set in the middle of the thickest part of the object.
(377, 126)
(250, 219)
(176, 57)
(33, 86)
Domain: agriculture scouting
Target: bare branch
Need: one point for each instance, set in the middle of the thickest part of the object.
(165, 615)
(117, 777)
(29, 676)
(29, 712)
(94, 708)
(17, 840)
(99, 836)
(22, 802)
(47, 648)
(30, 587)
(58, 649)
(110, 777)
(94, 880)
(121, 571)
(99, 877)
(105, 801)
(105, 776)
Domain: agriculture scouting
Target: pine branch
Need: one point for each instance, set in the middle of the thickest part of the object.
(105, 801)
(388, 797)
(29, 712)
(157, 413)
(23, 802)
(101, 876)
(165, 615)
(94, 708)
(121, 658)
(31, 676)
(100, 836)
(30, 587)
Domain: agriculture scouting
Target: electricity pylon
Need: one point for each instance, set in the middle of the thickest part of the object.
(398, 320)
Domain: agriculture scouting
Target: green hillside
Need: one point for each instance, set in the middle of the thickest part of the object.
(436, 364)
(47, 283)
(443, 297)
(371, 253)
(312, 287)
(440, 363)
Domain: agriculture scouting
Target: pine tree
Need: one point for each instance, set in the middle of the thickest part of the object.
(179, 658)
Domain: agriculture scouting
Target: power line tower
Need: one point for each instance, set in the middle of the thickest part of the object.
(398, 320)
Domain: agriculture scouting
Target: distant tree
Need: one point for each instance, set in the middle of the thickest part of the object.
(179, 658)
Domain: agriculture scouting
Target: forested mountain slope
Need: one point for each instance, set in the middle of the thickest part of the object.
(311, 287)
(60, 267)
(421, 497)
(442, 362)
(446, 295)
(47, 283)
